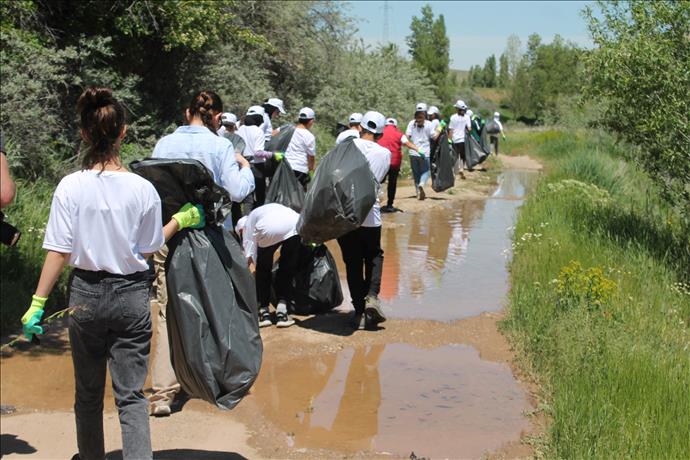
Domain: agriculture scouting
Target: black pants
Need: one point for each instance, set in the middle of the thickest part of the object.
(392, 178)
(494, 140)
(303, 179)
(259, 171)
(287, 267)
(459, 149)
(363, 259)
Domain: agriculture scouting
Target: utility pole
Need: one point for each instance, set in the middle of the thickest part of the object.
(386, 9)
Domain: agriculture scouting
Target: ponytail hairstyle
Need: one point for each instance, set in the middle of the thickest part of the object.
(102, 119)
(205, 105)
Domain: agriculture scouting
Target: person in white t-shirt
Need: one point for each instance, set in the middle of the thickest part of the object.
(301, 152)
(254, 140)
(263, 231)
(355, 120)
(361, 248)
(493, 137)
(273, 107)
(228, 130)
(105, 222)
(420, 133)
(459, 126)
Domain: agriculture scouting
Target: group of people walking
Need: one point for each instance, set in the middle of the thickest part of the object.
(106, 223)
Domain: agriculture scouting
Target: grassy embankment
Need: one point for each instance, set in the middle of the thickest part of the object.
(600, 302)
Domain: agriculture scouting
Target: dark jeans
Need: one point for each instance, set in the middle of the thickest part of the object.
(421, 171)
(289, 259)
(363, 259)
(494, 140)
(459, 149)
(392, 184)
(303, 179)
(259, 171)
(110, 323)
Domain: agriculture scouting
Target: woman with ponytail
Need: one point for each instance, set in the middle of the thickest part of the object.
(105, 221)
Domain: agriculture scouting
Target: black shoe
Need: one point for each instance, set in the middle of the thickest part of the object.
(283, 319)
(387, 209)
(264, 317)
(373, 312)
(358, 322)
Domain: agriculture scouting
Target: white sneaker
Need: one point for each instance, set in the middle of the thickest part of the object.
(283, 319)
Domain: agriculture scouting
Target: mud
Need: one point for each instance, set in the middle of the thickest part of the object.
(435, 379)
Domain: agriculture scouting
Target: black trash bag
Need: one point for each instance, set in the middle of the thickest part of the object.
(340, 196)
(212, 311)
(443, 160)
(238, 143)
(278, 143)
(475, 152)
(285, 189)
(317, 284)
(492, 127)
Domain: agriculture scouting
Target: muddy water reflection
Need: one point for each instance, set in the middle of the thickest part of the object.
(449, 263)
(396, 398)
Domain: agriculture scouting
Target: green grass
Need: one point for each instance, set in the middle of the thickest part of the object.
(611, 349)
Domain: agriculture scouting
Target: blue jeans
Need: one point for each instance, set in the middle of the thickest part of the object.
(110, 323)
(421, 170)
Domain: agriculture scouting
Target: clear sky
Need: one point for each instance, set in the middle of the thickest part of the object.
(475, 29)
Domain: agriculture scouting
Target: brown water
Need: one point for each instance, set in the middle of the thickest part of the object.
(394, 398)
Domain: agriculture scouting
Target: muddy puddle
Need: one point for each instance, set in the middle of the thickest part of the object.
(449, 262)
(394, 398)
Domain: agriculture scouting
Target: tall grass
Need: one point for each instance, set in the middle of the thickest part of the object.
(600, 302)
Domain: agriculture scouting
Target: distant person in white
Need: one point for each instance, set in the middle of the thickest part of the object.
(460, 125)
(228, 130)
(273, 108)
(301, 151)
(355, 120)
(420, 133)
(493, 136)
(361, 248)
(263, 231)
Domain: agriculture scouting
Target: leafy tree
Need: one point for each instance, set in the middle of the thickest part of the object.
(503, 75)
(489, 72)
(429, 47)
(640, 69)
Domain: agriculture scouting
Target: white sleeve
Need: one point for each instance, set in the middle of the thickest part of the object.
(59, 230)
(310, 144)
(238, 182)
(404, 140)
(408, 132)
(259, 141)
(151, 226)
(249, 239)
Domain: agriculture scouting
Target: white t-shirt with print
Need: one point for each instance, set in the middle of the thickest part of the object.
(459, 125)
(105, 221)
(268, 225)
(345, 134)
(379, 159)
(302, 145)
(420, 136)
(254, 140)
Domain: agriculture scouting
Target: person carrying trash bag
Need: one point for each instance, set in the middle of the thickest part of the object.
(232, 172)
(301, 152)
(273, 108)
(228, 129)
(353, 131)
(476, 125)
(442, 175)
(493, 128)
(104, 222)
(393, 139)
(458, 127)
(263, 231)
(420, 133)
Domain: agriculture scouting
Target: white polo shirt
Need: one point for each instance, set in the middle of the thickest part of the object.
(379, 159)
(268, 225)
(345, 134)
(459, 124)
(254, 139)
(302, 145)
(420, 136)
(105, 221)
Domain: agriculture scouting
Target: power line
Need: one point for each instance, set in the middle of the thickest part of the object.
(386, 9)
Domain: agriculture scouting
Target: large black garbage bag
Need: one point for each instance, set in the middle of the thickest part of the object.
(278, 143)
(492, 127)
(340, 196)
(212, 311)
(317, 284)
(238, 142)
(285, 189)
(475, 152)
(442, 175)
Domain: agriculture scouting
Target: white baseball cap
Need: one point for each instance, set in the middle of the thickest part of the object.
(256, 110)
(497, 115)
(277, 103)
(433, 109)
(228, 118)
(460, 104)
(391, 121)
(240, 225)
(421, 107)
(356, 117)
(373, 122)
(305, 113)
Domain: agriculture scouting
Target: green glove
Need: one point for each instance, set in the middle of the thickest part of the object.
(33, 316)
(190, 215)
(443, 123)
(278, 156)
(450, 141)
(421, 152)
(311, 174)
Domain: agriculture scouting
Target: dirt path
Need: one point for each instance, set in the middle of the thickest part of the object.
(324, 391)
